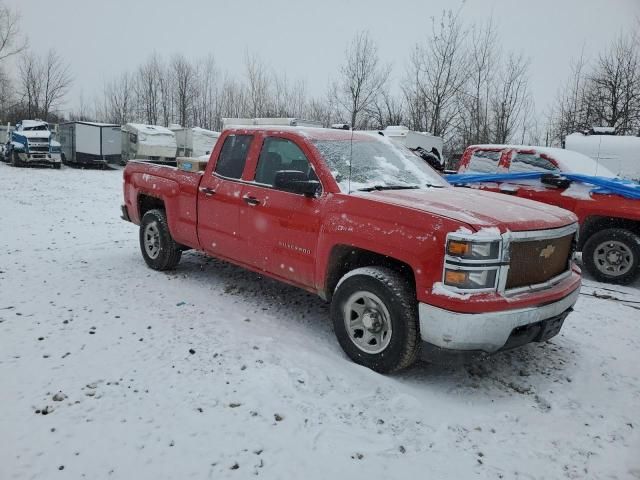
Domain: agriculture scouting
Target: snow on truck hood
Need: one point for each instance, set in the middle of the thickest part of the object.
(479, 209)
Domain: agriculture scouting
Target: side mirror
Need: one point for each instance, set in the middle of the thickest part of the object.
(294, 181)
(555, 180)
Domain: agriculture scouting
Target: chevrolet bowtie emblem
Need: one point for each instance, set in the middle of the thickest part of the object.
(547, 251)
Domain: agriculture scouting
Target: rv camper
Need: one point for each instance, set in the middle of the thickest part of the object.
(194, 142)
(148, 142)
(90, 143)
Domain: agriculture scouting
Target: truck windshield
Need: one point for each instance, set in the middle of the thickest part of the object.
(376, 164)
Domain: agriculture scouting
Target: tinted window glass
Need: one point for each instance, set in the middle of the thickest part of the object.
(484, 161)
(531, 162)
(281, 154)
(233, 156)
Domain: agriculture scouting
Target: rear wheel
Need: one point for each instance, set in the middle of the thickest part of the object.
(159, 249)
(375, 318)
(613, 255)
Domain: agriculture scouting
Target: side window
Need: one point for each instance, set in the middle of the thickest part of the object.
(281, 154)
(233, 156)
(531, 162)
(484, 161)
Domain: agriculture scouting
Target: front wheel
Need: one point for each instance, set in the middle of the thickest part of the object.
(375, 318)
(15, 160)
(159, 249)
(613, 255)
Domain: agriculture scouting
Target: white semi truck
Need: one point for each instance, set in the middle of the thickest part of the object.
(31, 143)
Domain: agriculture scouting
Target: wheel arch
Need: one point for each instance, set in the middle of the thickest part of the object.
(345, 258)
(597, 223)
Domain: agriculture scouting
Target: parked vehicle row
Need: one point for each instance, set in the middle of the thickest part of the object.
(405, 259)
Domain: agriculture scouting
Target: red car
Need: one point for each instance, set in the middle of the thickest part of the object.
(403, 257)
(609, 224)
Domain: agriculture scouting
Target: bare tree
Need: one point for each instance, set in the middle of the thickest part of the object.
(362, 78)
(437, 73)
(184, 75)
(614, 87)
(483, 59)
(258, 85)
(511, 99)
(148, 89)
(6, 94)
(30, 79)
(11, 42)
(44, 82)
(386, 110)
(119, 100)
(56, 81)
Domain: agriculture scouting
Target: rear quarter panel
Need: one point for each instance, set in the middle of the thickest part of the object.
(177, 189)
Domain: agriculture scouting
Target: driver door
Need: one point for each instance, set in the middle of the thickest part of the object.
(282, 228)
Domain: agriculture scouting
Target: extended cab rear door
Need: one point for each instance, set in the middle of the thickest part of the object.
(282, 228)
(220, 200)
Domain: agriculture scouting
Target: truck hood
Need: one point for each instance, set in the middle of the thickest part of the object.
(479, 209)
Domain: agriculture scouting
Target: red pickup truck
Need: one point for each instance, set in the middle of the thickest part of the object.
(609, 224)
(403, 257)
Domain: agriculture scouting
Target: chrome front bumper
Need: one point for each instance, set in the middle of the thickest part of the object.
(487, 332)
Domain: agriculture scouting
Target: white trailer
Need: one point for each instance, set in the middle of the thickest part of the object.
(194, 142)
(618, 153)
(90, 143)
(148, 142)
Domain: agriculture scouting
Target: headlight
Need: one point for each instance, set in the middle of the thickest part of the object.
(472, 261)
(471, 279)
(473, 250)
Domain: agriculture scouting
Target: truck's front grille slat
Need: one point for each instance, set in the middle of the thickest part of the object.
(538, 261)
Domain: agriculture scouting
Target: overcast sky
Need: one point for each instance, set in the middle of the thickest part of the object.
(101, 39)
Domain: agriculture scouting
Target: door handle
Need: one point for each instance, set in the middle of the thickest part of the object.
(208, 192)
(253, 201)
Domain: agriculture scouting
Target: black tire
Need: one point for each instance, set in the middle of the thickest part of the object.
(398, 297)
(625, 243)
(167, 254)
(15, 160)
(57, 165)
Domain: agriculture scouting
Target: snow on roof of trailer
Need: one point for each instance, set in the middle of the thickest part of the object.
(150, 129)
(569, 161)
(32, 123)
(206, 132)
(94, 124)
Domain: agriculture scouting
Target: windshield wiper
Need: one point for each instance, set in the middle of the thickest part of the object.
(388, 187)
(429, 185)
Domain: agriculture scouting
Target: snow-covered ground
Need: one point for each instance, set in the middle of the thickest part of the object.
(213, 372)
